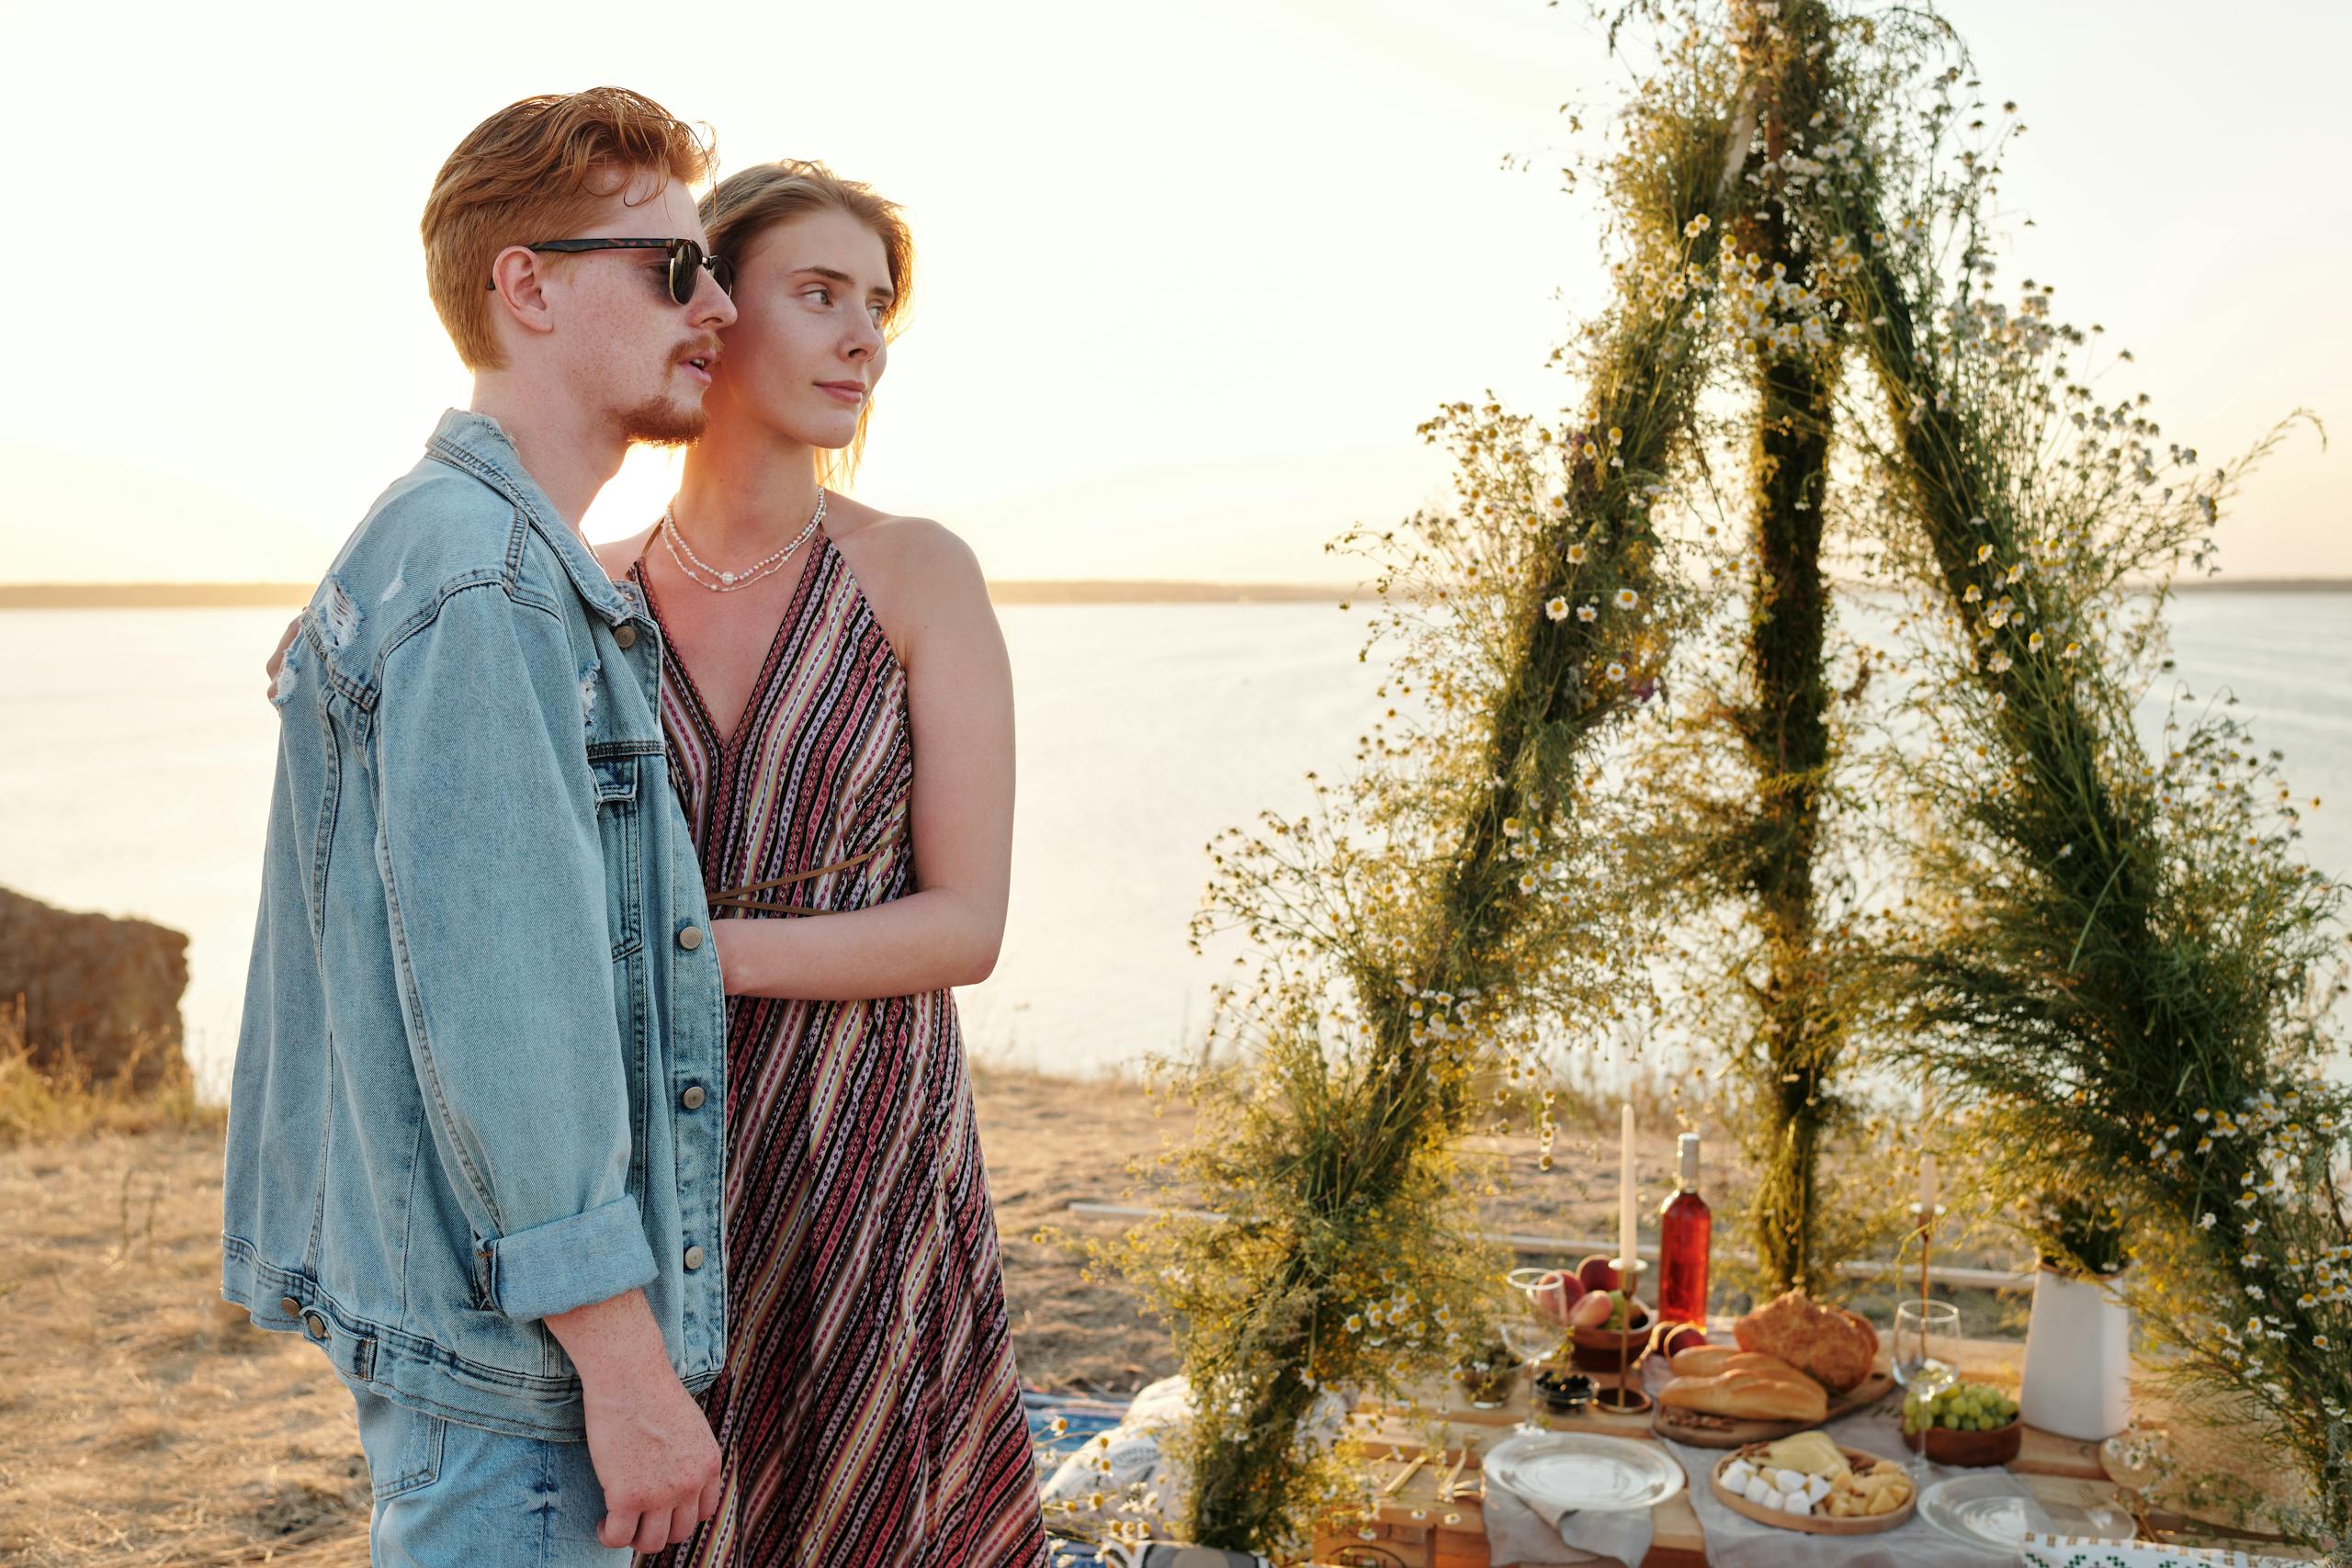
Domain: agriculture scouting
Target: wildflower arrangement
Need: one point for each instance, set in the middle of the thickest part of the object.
(2117, 954)
(1422, 924)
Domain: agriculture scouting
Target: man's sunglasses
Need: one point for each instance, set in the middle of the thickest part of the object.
(686, 259)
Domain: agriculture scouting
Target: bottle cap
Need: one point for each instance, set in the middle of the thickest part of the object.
(1687, 1145)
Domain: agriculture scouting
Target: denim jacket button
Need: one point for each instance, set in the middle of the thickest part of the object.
(290, 1306)
(690, 938)
(692, 1098)
(694, 1257)
(315, 1327)
(626, 636)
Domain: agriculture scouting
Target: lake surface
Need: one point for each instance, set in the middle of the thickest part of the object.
(136, 781)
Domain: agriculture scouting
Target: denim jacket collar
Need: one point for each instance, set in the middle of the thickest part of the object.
(475, 442)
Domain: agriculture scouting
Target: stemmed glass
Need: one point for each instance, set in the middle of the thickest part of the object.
(1530, 1333)
(1926, 1355)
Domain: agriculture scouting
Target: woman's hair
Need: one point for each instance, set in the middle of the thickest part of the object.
(539, 169)
(748, 203)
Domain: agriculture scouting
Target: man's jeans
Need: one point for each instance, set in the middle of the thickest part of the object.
(455, 1496)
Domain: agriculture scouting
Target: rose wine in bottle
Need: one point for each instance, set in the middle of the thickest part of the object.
(1685, 1225)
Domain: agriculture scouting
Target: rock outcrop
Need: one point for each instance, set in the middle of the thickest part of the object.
(100, 993)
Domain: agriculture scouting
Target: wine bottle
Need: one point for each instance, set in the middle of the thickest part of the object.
(1685, 1228)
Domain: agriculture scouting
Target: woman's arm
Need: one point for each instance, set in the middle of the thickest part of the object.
(959, 697)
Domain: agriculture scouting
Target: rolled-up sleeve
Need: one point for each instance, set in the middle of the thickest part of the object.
(494, 874)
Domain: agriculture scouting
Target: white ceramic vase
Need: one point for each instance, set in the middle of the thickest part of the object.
(2078, 1358)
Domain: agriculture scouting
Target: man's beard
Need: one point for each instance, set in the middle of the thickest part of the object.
(658, 422)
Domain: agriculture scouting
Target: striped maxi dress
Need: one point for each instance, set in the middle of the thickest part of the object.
(868, 1413)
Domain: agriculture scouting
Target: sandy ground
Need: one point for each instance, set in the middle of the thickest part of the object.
(143, 1422)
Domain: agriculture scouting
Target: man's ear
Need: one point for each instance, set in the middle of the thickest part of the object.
(516, 277)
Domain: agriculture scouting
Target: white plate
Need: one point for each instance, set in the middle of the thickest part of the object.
(1583, 1471)
(1988, 1508)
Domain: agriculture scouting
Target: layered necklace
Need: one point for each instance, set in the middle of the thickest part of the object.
(702, 574)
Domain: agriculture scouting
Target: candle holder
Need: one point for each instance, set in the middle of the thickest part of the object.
(1627, 1398)
(1924, 1218)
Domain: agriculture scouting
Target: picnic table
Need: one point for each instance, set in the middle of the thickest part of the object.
(1417, 1528)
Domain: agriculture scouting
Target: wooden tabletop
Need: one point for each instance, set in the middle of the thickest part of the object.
(1418, 1526)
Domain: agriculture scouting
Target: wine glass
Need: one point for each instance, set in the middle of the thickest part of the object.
(1926, 1345)
(1926, 1357)
(1531, 1334)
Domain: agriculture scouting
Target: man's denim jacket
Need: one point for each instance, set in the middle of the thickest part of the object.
(480, 1075)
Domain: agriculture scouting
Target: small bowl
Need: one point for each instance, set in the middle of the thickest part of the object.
(1488, 1378)
(1605, 1349)
(1563, 1393)
(1946, 1444)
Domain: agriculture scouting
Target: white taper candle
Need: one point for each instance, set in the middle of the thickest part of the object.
(1625, 1248)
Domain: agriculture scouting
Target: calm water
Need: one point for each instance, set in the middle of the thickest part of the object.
(137, 778)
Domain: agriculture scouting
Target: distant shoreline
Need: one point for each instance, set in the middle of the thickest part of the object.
(288, 595)
(1021, 591)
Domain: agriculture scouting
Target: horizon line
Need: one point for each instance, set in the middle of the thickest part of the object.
(1001, 590)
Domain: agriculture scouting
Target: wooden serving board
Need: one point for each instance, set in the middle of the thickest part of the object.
(1815, 1524)
(1704, 1431)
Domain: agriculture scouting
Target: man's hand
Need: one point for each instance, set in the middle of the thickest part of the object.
(293, 630)
(650, 1443)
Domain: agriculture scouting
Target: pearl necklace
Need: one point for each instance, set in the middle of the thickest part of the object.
(702, 574)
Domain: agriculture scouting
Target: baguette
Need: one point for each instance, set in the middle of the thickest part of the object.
(1707, 1360)
(1751, 1395)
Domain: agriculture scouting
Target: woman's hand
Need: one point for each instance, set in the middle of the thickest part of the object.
(293, 630)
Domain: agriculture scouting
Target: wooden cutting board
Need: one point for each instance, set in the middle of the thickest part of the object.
(1817, 1524)
(1702, 1431)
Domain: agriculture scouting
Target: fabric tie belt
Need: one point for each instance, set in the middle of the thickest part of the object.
(746, 896)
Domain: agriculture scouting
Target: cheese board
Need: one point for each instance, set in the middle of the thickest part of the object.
(1702, 1430)
(1819, 1523)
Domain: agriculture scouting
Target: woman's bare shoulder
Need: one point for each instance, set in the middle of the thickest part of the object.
(917, 573)
(919, 553)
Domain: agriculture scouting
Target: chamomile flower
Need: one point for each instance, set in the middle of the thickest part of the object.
(1627, 599)
(1615, 672)
(1557, 608)
(1586, 613)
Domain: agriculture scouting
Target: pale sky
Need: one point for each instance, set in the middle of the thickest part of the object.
(1188, 273)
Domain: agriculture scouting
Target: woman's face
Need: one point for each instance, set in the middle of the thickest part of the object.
(806, 349)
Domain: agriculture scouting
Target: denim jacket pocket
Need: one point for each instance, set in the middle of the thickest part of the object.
(619, 828)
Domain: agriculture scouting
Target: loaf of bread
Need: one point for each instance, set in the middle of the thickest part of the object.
(1750, 1394)
(1829, 1344)
(1707, 1360)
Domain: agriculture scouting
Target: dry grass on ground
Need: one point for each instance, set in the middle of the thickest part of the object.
(143, 1422)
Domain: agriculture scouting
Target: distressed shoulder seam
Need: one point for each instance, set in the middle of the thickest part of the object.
(484, 577)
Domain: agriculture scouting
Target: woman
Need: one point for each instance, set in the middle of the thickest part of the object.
(839, 713)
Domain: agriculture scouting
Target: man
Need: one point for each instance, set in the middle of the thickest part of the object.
(474, 1143)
